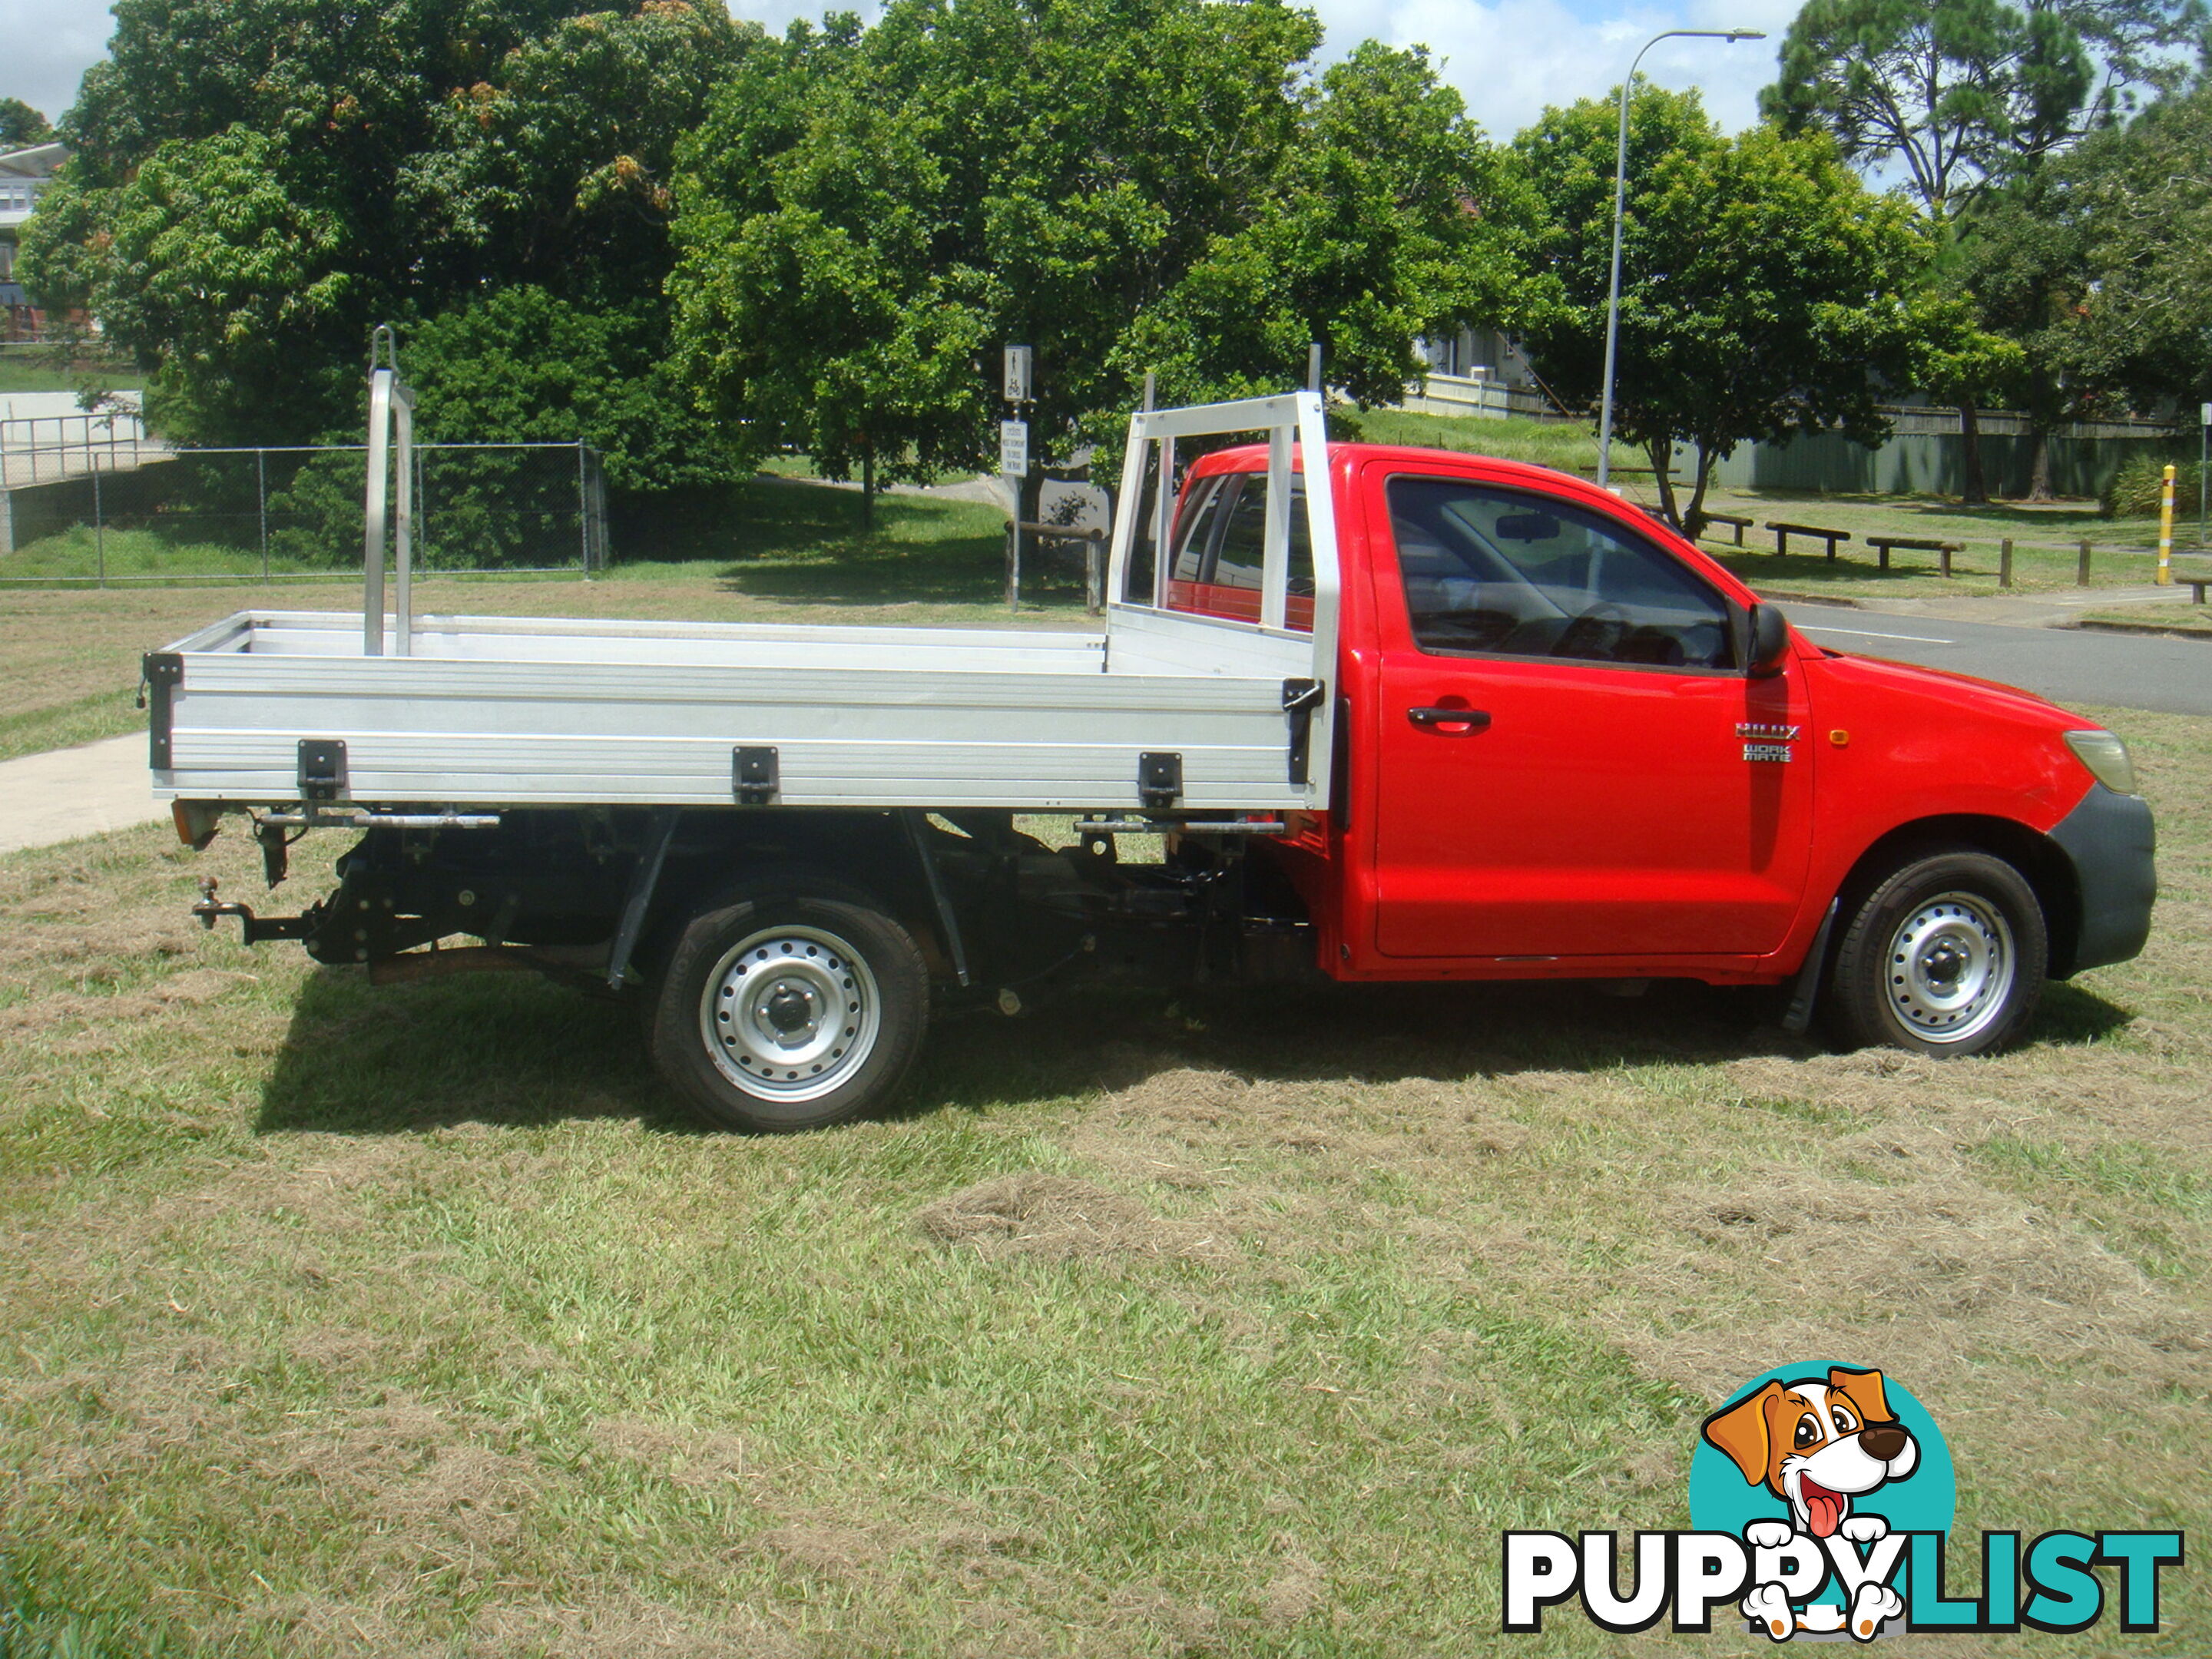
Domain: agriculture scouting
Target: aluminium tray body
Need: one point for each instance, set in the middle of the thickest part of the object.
(499, 711)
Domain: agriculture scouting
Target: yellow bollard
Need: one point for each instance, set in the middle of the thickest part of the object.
(2166, 531)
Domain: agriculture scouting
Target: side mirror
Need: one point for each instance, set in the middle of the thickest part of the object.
(1770, 643)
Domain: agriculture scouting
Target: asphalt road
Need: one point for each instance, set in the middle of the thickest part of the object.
(2067, 665)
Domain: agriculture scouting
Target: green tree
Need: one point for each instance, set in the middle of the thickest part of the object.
(1970, 100)
(522, 365)
(1392, 218)
(236, 284)
(1960, 93)
(1127, 184)
(2134, 207)
(1765, 291)
(21, 125)
(255, 183)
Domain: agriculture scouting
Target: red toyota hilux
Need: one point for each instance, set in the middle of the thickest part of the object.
(1578, 747)
(1392, 714)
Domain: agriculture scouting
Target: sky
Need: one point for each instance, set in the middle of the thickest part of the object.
(1508, 57)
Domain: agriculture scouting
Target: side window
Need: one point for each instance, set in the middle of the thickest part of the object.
(1492, 571)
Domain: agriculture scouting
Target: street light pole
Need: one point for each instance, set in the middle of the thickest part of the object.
(1619, 201)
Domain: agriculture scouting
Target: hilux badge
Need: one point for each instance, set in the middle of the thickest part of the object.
(1769, 734)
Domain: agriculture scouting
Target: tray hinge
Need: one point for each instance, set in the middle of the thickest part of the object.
(1300, 699)
(754, 775)
(322, 769)
(1159, 779)
(163, 672)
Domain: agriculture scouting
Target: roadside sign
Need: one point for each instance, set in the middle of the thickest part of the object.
(1013, 449)
(1018, 379)
(2205, 414)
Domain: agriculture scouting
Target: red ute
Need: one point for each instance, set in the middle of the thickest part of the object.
(1569, 756)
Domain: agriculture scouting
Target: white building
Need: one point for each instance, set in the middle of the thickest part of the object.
(25, 175)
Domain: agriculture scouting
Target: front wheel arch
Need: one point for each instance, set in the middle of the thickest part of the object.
(2041, 862)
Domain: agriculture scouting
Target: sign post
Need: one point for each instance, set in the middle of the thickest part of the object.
(1018, 386)
(2204, 443)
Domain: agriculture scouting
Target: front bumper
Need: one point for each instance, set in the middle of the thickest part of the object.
(2112, 845)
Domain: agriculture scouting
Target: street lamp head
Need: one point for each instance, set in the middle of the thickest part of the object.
(1745, 34)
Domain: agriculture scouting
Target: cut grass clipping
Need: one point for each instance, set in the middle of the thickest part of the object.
(421, 1321)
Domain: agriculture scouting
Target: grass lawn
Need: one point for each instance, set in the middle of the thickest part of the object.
(68, 656)
(2044, 537)
(418, 1322)
(26, 372)
(2045, 544)
(2172, 618)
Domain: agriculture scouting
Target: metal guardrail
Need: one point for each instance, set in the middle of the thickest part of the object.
(47, 448)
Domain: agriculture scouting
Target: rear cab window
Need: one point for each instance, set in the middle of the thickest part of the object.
(1219, 539)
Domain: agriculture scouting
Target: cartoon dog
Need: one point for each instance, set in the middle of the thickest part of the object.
(1816, 1444)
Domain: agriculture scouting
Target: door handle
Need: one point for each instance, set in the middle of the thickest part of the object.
(1432, 719)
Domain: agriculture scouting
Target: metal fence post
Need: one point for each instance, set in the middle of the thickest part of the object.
(583, 517)
(99, 529)
(261, 501)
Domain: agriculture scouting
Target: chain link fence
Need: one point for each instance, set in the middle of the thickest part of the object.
(192, 515)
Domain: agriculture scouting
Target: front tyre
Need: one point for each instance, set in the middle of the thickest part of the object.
(790, 1011)
(1945, 957)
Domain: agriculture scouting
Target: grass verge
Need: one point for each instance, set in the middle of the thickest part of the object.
(417, 1321)
(45, 372)
(2164, 619)
(70, 657)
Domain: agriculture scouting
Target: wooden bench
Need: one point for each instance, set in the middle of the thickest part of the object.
(1730, 518)
(1782, 533)
(1943, 551)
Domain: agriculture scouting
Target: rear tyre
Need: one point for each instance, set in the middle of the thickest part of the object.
(1947, 957)
(790, 1010)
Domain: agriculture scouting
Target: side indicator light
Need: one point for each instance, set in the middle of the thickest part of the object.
(1840, 739)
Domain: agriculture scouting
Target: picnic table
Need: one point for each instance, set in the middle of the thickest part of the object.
(1740, 524)
(1783, 532)
(1942, 549)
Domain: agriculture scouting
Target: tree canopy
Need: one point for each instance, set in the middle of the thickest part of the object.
(21, 125)
(1125, 184)
(255, 183)
(1976, 101)
(1965, 94)
(1764, 292)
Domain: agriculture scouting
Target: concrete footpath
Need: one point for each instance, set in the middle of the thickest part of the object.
(68, 792)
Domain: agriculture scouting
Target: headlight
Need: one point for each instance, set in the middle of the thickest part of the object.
(2107, 757)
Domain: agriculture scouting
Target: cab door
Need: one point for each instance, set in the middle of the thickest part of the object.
(1572, 763)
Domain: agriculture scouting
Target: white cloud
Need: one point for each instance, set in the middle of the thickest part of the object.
(49, 43)
(1509, 58)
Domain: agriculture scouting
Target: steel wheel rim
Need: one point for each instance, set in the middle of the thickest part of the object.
(790, 1013)
(1951, 968)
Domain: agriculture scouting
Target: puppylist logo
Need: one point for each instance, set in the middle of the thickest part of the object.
(1821, 1498)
